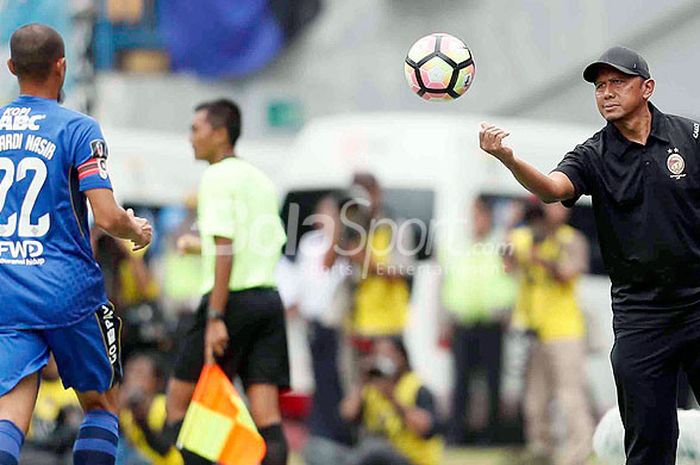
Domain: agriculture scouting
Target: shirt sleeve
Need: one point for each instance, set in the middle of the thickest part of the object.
(90, 156)
(576, 168)
(216, 212)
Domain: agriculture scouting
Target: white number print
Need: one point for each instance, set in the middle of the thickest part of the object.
(26, 228)
(8, 168)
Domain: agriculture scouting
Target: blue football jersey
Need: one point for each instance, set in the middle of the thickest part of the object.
(49, 156)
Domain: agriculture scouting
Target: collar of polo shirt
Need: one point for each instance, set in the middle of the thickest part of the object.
(617, 144)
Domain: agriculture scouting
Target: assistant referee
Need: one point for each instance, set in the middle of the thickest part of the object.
(642, 171)
(240, 321)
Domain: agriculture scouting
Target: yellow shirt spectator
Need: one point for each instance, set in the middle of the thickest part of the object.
(382, 418)
(136, 436)
(544, 304)
(381, 302)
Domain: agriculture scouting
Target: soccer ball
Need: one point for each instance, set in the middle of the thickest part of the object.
(608, 440)
(439, 67)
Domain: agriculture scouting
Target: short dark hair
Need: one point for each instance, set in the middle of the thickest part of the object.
(223, 113)
(34, 48)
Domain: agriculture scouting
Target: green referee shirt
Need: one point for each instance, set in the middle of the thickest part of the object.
(475, 284)
(237, 201)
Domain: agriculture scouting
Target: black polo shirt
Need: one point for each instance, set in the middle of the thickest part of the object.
(646, 202)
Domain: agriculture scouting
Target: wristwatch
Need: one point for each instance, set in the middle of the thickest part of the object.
(214, 314)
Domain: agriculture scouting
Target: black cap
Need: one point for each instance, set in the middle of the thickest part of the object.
(622, 59)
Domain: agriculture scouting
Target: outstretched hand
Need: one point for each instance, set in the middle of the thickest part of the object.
(491, 141)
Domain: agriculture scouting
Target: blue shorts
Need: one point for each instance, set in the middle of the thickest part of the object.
(88, 353)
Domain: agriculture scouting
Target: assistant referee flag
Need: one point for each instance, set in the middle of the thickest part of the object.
(218, 426)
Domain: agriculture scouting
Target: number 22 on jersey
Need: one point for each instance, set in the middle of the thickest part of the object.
(24, 226)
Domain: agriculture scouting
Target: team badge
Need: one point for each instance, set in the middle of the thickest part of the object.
(675, 163)
(99, 152)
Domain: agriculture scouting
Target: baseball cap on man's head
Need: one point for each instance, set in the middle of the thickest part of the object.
(622, 59)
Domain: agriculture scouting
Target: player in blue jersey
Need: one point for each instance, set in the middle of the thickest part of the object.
(52, 296)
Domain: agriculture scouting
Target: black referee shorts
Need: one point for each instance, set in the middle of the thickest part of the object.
(257, 350)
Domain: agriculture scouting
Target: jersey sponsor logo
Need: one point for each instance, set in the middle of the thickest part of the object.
(111, 327)
(108, 321)
(675, 163)
(25, 253)
(20, 119)
(98, 150)
(696, 130)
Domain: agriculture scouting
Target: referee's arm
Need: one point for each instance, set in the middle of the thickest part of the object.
(216, 336)
(550, 188)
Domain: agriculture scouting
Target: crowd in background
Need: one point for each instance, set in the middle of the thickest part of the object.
(353, 292)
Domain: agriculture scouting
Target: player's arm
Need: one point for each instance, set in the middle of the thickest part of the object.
(116, 221)
(90, 154)
(216, 337)
(549, 188)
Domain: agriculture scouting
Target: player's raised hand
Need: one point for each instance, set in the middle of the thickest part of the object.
(491, 141)
(143, 231)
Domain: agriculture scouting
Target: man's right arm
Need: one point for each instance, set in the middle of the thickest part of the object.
(550, 188)
(116, 221)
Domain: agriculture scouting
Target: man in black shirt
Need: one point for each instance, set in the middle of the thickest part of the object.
(642, 171)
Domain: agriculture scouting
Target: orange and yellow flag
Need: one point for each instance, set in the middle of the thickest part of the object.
(218, 426)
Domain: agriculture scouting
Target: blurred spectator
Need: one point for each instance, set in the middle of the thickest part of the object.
(382, 294)
(478, 296)
(323, 299)
(142, 411)
(55, 422)
(550, 256)
(181, 271)
(396, 411)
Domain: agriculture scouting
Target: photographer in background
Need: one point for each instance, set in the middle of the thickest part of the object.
(397, 413)
(142, 411)
(382, 294)
(549, 258)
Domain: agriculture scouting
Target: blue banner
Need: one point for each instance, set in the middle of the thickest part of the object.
(220, 38)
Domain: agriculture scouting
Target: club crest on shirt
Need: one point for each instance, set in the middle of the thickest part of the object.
(675, 163)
